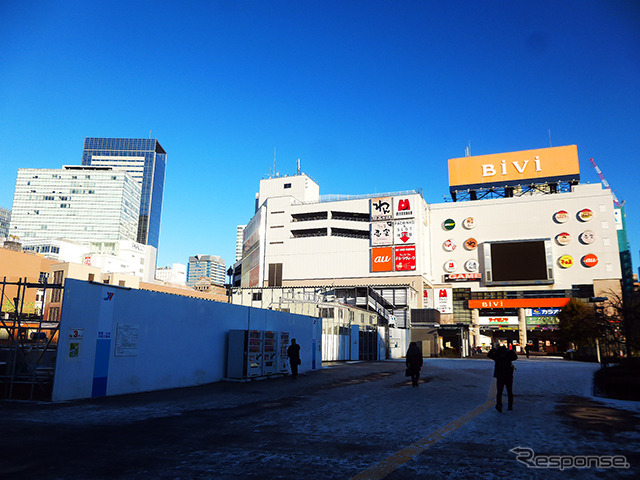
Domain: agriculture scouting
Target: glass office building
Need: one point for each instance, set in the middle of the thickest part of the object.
(75, 203)
(210, 266)
(146, 161)
(5, 219)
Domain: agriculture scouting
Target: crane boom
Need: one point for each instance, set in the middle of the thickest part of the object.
(616, 202)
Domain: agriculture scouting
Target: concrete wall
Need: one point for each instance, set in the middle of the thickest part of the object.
(117, 340)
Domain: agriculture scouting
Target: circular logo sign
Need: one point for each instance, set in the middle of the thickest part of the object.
(470, 244)
(449, 224)
(566, 261)
(449, 245)
(587, 237)
(589, 260)
(450, 266)
(563, 238)
(471, 265)
(469, 223)
(585, 215)
(561, 216)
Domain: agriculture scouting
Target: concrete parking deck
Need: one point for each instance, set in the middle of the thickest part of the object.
(353, 420)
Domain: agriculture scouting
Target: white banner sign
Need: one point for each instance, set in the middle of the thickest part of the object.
(381, 233)
(405, 232)
(511, 321)
(381, 208)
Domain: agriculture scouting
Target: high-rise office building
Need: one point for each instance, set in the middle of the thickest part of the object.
(239, 241)
(5, 220)
(75, 203)
(146, 161)
(209, 266)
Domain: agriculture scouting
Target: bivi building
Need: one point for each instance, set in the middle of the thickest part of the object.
(519, 239)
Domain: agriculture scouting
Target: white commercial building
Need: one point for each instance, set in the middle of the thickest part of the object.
(124, 257)
(75, 203)
(175, 274)
(239, 235)
(497, 266)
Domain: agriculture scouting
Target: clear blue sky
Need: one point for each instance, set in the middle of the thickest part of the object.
(370, 95)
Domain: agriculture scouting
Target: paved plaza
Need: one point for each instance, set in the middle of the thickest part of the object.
(351, 420)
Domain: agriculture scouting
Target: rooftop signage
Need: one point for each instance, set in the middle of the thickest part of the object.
(515, 168)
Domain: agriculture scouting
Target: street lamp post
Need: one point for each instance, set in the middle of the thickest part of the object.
(598, 307)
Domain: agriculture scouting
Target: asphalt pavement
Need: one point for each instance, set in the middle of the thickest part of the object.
(358, 420)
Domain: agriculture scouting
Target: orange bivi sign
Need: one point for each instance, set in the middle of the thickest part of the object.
(519, 303)
(515, 168)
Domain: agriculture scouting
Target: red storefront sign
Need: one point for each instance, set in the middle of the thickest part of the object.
(405, 258)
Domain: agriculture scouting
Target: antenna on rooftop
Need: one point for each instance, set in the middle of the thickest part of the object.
(298, 166)
(273, 173)
(467, 150)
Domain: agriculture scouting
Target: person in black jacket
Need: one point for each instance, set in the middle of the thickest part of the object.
(503, 372)
(293, 352)
(414, 362)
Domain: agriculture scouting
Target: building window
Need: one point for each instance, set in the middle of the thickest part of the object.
(54, 314)
(306, 217)
(351, 216)
(287, 185)
(56, 294)
(326, 312)
(349, 233)
(121, 283)
(256, 297)
(92, 277)
(309, 232)
(275, 274)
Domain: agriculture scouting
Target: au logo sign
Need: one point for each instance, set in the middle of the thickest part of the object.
(382, 259)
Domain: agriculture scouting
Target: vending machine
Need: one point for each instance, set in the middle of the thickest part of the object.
(245, 353)
(270, 353)
(283, 359)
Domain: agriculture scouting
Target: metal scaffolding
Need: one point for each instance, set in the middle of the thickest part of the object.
(28, 344)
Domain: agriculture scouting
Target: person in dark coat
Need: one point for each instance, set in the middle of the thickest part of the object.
(414, 362)
(293, 352)
(503, 372)
(527, 349)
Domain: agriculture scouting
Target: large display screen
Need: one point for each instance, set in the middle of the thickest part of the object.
(518, 262)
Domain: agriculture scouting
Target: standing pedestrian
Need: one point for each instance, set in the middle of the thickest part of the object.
(527, 349)
(503, 372)
(293, 352)
(414, 363)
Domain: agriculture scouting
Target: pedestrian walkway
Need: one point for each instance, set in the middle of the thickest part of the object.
(360, 420)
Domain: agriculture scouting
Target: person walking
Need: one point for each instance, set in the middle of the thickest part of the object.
(414, 363)
(503, 372)
(527, 349)
(293, 352)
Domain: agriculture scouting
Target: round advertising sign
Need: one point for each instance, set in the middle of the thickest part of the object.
(561, 216)
(587, 237)
(470, 244)
(469, 223)
(471, 265)
(585, 215)
(563, 238)
(589, 260)
(450, 266)
(566, 261)
(449, 245)
(449, 224)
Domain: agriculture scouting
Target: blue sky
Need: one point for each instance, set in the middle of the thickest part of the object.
(372, 96)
